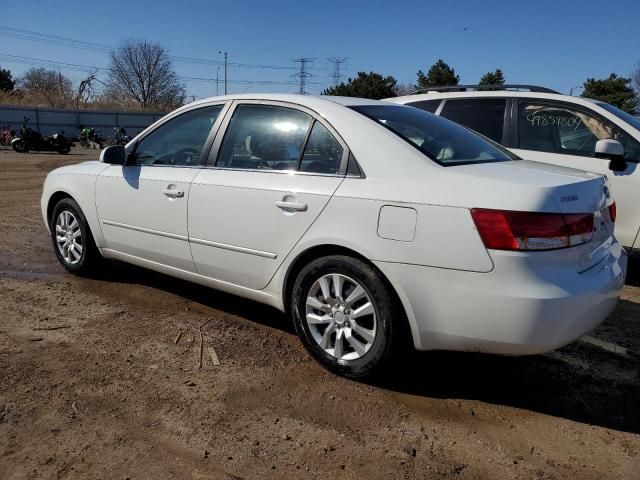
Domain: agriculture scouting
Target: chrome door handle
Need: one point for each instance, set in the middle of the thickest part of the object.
(173, 193)
(292, 206)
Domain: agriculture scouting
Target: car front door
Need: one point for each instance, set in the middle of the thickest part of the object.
(564, 134)
(269, 177)
(142, 205)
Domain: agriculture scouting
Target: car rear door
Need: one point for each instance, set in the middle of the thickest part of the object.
(565, 134)
(272, 170)
(142, 206)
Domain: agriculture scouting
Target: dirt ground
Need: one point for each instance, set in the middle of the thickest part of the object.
(94, 385)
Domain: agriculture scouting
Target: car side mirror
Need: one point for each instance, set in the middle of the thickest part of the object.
(114, 155)
(612, 150)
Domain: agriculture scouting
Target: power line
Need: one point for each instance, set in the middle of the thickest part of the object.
(75, 66)
(58, 40)
(337, 63)
(303, 73)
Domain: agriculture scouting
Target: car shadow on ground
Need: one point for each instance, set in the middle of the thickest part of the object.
(580, 382)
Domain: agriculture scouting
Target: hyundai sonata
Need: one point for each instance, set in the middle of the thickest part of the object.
(363, 219)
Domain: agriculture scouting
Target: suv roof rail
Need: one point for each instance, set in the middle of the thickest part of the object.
(464, 88)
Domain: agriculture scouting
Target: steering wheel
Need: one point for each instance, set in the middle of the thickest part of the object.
(185, 156)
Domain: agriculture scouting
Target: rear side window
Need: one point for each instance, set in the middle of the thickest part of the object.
(323, 153)
(264, 137)
(483, 115)
(430, 106)
(439, 139)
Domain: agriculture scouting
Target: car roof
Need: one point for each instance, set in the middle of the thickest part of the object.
(310, 101)
(491, 93)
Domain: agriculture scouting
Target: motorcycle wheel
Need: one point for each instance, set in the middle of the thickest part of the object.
(64, 149)
(20, 146)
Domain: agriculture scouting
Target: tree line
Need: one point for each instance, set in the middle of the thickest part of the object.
(141, 76)
(621, 92)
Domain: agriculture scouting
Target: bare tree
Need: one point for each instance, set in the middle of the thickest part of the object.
(86, 91)
(46, 86)
(142, 72)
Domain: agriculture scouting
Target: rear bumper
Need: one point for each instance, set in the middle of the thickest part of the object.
(528, 304)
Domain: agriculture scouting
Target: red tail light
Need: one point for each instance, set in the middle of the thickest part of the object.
(509, 230)
(613, 211)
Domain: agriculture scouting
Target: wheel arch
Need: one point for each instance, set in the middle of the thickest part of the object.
(53, 201)
(323, 250)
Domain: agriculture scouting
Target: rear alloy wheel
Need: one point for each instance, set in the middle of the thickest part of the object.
(342, 311)
(72, 240)
(341, 316)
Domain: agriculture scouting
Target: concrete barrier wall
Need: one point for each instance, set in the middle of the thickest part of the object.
(48, 121)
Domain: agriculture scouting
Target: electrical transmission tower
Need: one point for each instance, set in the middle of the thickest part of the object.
(337, 63)
(303, 74)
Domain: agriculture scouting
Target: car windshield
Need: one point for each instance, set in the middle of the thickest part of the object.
(441, 140)
(627, 117)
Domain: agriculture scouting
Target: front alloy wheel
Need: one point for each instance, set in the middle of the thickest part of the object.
(72, 240)
(69, 237)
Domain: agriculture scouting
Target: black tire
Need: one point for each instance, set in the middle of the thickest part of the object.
(90, 258)
(388, 315)
(20, 146)
(64, 149)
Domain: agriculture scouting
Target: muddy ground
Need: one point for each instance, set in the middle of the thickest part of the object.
(93, 385)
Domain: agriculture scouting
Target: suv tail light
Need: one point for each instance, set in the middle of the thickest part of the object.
(509, 230)
(613, 211)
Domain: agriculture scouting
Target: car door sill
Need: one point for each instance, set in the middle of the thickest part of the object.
(257, 295)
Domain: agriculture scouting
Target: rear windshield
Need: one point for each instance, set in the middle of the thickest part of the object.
(441, 140)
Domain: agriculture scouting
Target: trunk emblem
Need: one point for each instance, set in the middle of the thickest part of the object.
(570, 198)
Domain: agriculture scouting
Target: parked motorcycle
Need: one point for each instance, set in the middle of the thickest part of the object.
(30, 139)
(6, 135)
(119, 137)
(90, 137)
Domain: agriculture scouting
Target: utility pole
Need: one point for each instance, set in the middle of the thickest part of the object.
(225, 71)
(337, 63)
(303, 74)
(217, 81)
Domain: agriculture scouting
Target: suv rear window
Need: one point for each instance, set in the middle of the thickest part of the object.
(483, 115)
(439, 139)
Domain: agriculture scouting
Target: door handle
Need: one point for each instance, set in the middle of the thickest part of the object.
(292, 206)
(173, 193)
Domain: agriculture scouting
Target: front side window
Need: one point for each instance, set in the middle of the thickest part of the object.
(439, 139)
(264, 137)
(560, 128)
(177, 142)
(483, 115)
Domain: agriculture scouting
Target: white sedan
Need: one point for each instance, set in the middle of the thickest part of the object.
(367, 221)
